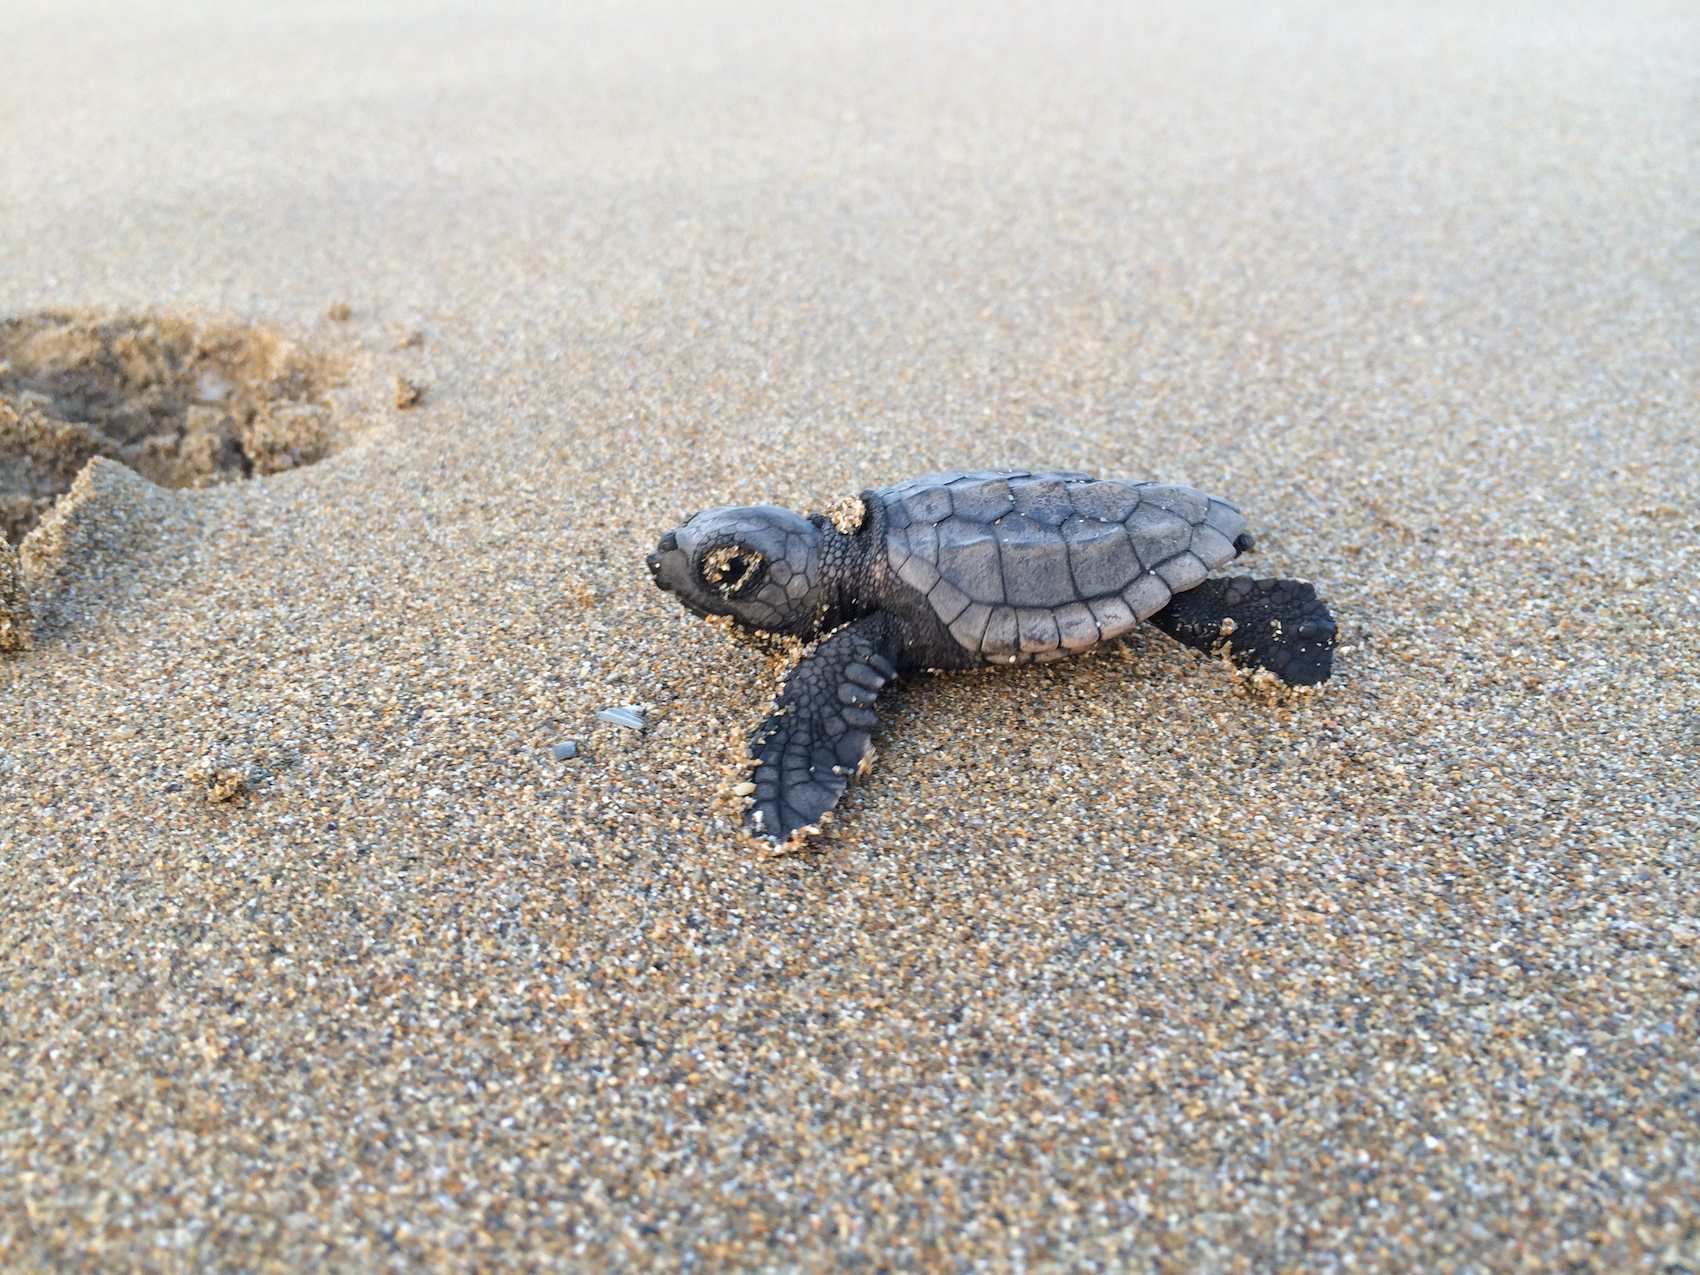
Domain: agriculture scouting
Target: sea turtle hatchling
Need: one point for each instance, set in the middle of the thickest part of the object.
(960, 569)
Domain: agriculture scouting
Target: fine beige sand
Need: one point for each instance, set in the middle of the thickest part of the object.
(313, 956)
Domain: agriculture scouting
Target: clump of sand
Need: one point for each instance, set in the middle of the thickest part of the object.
(14, 606)
(220, 778)
(185, 405)
(408, 394)
(847, 514)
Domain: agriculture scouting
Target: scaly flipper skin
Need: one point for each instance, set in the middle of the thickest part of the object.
(818, 735)
(1279, 625)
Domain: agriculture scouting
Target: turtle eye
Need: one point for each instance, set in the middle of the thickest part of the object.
(731, 569)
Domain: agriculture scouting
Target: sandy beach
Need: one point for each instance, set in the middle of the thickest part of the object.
(313, 953)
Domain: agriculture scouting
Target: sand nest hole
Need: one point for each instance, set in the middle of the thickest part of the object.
(183, 404)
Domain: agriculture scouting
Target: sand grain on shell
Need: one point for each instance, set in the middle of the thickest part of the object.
(1105, 964)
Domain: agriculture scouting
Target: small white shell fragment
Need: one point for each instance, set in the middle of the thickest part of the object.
(629, 716)
(565, 749)
(744, 789)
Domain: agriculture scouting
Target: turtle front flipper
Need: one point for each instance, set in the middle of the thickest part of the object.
(1280, 625)
(818, 735)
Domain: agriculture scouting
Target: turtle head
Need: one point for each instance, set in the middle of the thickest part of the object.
(760, 565)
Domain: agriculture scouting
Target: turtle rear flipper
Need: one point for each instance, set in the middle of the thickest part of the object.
(1280, 625)
(819, 732)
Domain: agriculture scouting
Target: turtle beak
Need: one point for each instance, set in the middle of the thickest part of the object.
(669, 544)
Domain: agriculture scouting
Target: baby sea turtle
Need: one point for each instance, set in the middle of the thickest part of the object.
(953, 570)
